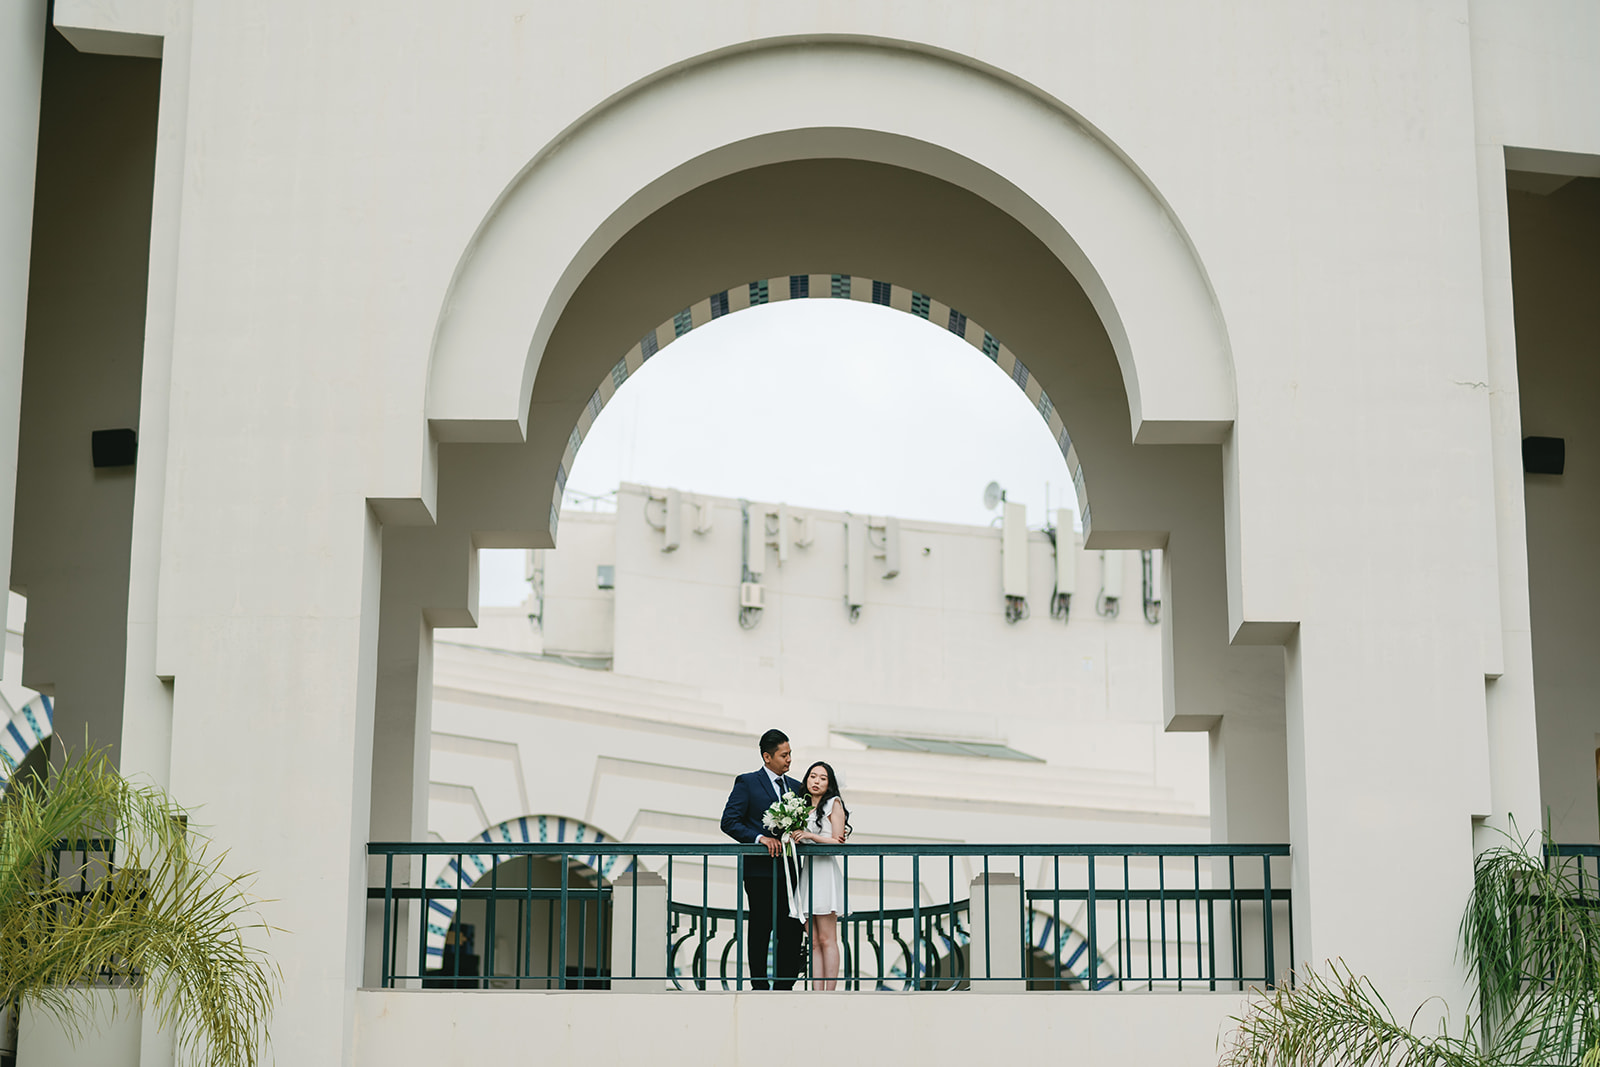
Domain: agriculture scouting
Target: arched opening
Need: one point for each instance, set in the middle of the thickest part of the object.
(844, 226)
(832, 286)
(717, 237)
(503, 922)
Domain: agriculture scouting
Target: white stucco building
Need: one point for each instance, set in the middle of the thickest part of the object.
(623, 698)
(929, 699)
(1289, 284)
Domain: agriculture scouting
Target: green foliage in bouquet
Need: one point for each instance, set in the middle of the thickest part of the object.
(166, 924)
(1531, 938)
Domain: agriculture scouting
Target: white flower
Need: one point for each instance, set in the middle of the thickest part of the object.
(788, 813)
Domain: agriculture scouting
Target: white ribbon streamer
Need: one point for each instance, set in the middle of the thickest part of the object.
(791, 849)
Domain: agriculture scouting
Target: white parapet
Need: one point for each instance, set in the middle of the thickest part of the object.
(396, 1028)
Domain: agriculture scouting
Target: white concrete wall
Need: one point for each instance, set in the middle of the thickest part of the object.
(111, 1041)
(450, 1029)
(577, 614)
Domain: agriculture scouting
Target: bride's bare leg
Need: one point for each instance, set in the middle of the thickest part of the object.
(825, 951)
(817, 955)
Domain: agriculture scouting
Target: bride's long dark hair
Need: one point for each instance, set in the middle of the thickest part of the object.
(831, 791)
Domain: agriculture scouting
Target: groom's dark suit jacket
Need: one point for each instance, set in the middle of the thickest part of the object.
(741, 819)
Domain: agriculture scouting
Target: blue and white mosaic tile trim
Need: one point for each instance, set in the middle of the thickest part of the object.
(528, 829)
(26, 730)
(1041, 937)
(821, 287)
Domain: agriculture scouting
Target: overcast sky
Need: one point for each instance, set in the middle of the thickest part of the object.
(832, 404)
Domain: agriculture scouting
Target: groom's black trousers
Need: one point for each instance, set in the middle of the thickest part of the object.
(762, 895)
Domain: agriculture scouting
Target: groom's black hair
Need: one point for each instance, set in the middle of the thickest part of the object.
(771, 740)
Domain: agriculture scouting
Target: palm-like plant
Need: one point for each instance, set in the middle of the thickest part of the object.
(164, 923)
(1531, 938)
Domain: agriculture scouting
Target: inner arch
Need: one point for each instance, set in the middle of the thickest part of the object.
(832, 286)
(920, 238)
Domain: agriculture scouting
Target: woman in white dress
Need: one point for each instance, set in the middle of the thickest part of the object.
(820, 892)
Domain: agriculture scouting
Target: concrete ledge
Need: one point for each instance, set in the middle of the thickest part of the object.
(448, 1028)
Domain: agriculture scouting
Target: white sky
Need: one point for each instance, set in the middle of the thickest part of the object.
(832, 404)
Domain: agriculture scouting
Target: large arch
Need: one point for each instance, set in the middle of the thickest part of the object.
(835, 99)
(751, 166)
(909, 231)
(862, 220)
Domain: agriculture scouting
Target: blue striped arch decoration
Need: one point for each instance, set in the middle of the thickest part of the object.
(1074, 950)
(823, 287)
(527, 829)
(25, 731)
(1041, 942)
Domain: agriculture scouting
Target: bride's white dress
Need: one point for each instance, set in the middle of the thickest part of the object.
(821, 886)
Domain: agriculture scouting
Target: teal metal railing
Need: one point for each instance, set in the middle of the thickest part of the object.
(884, 949)
(1582, 863)
(1086, 917)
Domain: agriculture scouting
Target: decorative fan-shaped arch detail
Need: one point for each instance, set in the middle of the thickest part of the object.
(460, 872)
(1041, 942)
(25, 731)
(1074, 965)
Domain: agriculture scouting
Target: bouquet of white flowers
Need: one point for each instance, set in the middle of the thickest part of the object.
(787, 814)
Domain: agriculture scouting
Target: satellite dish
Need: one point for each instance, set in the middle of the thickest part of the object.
(992, 495)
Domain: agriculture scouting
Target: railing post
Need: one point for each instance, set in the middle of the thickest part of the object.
(400, 939)
(995, 948)
(639, 932)
(1268, 921)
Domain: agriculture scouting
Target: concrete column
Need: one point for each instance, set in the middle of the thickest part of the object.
(994, 958)
(639, 950)
(272, 744)
(1250, 806)
(402, 729)
(1514, 786)
(1249, 753)
(1377, 802)
(22, 25)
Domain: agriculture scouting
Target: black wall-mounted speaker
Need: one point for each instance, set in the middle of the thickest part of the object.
(114, 448)
(1544, 455)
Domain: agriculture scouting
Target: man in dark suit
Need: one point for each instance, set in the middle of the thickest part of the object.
(765, 887)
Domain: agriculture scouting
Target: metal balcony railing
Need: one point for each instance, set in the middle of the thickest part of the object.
(649, 917)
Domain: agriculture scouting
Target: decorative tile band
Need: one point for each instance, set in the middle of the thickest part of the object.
(461, 872)
(1073, 964)
(1073, 967)
(26, 730)
(824, 287)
